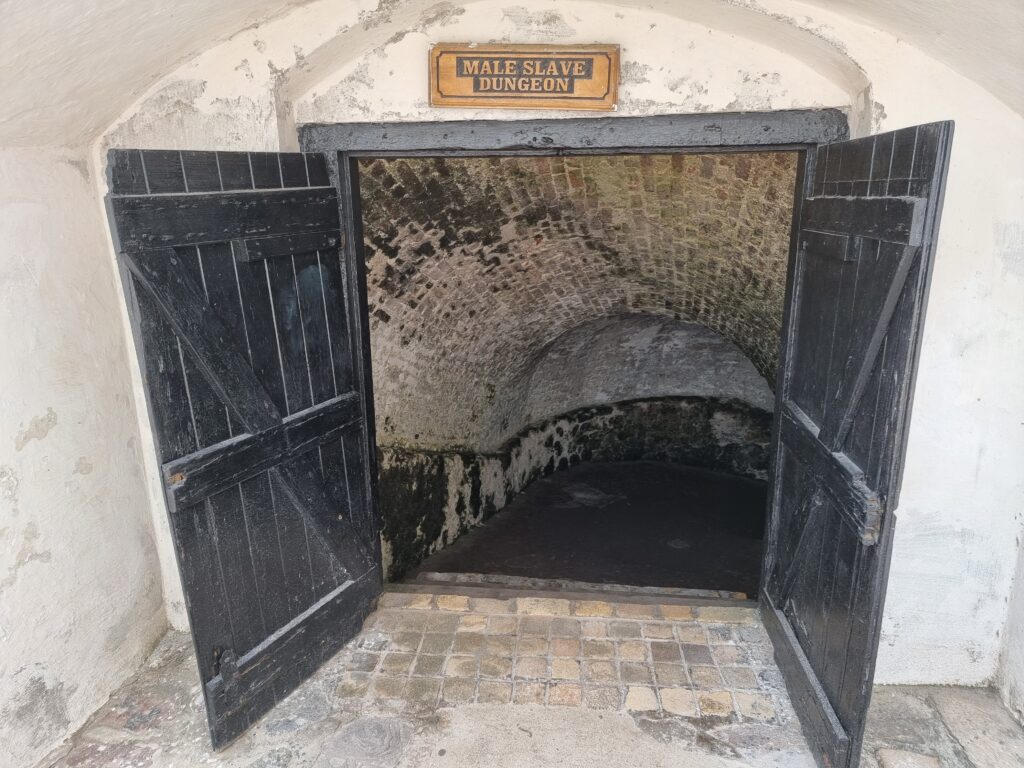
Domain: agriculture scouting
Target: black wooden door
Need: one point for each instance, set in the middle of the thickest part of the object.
(252, 359)
(855, 307)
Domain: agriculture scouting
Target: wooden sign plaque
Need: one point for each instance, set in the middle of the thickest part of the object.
(524, 76)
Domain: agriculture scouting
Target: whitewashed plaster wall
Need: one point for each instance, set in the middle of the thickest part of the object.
(956, 544)
(1011, 666)
(80, 593)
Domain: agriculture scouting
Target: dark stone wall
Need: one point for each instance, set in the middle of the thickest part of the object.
(429, 498)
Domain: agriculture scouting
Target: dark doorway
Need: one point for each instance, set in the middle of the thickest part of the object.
(532, 315)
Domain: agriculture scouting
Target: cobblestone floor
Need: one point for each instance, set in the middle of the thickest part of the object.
(678, 660)
(443, 681)
(454, 681)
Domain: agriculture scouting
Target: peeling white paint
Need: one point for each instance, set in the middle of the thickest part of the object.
(39, 427)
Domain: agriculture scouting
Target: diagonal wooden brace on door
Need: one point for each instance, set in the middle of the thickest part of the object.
(837, 425)
(214, 469)
(278, 443)
(838, 477)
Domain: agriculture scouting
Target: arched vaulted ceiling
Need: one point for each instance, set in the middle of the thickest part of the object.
(68, 69)
(475, 266)
(982, 39)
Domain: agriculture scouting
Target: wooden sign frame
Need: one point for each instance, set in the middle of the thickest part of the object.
(524, 76)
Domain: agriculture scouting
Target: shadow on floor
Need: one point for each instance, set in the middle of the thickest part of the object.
(646, 524)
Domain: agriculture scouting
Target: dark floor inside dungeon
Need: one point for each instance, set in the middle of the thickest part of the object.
(643, 524)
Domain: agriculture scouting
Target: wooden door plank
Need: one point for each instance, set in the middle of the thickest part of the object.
(315, 332)
(229, 529)
(816, 328)
(294, 539)
(853, 383)
(209, 342)
(289, 333)
(203, 586)
(892, 219)
(268, 557)
(340, 332)
(165, 378)
(824, 732)
(262, 349)
(840, 618)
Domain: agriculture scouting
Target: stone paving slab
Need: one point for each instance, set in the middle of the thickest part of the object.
(941, 727)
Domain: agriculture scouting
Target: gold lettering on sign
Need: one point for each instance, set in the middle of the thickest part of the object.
(524, 76)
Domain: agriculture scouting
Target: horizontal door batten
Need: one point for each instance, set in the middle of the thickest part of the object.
(838, 477)
(160, 221)
(892, 219)
(246, 688)
(214, 469)
(257, 248)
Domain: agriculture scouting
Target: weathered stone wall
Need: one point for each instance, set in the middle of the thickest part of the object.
(429, 498)
(476, 265)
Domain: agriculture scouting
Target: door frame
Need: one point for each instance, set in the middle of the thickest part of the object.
(344, 144)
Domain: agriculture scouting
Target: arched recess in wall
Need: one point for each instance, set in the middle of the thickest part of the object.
(633, 387)
(297, 84)
(634, 357)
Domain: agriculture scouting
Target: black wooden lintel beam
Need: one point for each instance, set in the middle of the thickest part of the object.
(697, 132)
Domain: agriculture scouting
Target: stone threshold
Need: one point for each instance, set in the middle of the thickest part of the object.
(462, 597)
(510, 587)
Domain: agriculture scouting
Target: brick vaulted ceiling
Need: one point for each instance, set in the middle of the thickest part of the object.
(476, 265)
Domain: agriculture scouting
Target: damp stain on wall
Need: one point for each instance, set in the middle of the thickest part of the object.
(40, 708)
(428, 498)
(38, 428)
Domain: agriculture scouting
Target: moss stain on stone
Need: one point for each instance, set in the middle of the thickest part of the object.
(413, 494)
